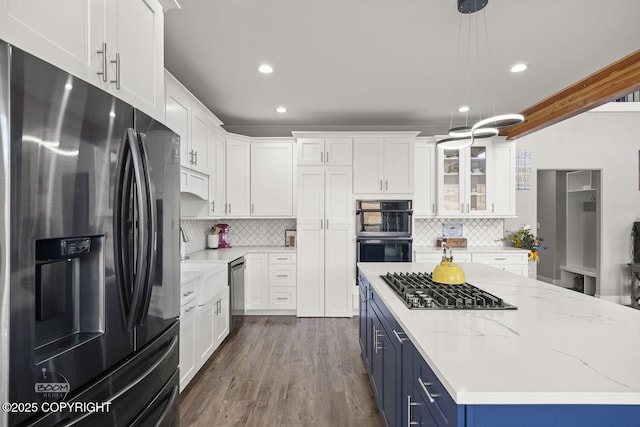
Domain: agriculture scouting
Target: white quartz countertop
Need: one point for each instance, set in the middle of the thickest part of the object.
(472, 249)
(198, 261)
(558, 347)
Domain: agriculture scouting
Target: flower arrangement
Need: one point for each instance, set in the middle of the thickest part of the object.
(523, 238)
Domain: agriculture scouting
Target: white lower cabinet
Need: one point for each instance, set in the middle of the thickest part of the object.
(270, 283)
(514, 262)
(432, 259)
(204, 320)
(256, 285)
(188, 338)
(282, 281)
(222, 318)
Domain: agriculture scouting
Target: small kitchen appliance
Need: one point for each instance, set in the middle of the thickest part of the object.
(223, 237)
(448, 272)
(419, 291)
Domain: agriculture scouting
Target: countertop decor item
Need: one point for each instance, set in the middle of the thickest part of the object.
(524, 239)
(290, 238)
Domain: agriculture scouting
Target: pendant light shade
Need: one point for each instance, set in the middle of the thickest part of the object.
(455, 143)
(465, 132)
(498, 122)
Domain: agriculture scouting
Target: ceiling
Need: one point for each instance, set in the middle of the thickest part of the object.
(342, 65)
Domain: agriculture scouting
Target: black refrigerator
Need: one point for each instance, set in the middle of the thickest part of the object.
(89, 300)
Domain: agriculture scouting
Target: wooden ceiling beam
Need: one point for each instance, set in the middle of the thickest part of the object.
(615, 80)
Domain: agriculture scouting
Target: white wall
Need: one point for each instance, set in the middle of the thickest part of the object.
(609, 141)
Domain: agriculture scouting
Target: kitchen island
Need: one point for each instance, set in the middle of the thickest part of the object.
(561, 359)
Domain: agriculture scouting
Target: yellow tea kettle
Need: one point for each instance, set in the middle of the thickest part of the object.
(448, 272)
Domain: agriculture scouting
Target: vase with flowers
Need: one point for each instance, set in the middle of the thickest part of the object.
(523, 238)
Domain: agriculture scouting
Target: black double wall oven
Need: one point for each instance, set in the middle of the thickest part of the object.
(383, 231)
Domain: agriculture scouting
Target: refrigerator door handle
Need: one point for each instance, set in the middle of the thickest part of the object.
(130, 171)
(151, 242)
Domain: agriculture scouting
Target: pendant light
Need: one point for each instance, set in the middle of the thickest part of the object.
(463, 136)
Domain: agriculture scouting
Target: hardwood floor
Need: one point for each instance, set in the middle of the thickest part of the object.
(284, 371)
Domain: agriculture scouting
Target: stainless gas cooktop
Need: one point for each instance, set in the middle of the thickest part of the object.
(418, 291)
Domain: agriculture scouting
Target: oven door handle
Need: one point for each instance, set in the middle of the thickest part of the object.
(372, 239)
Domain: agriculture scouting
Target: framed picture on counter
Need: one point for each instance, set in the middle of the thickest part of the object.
(290, 238)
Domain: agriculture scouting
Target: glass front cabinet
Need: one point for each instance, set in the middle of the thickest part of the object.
(462, 180)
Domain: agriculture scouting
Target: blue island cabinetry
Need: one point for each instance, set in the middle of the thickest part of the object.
(408, 392)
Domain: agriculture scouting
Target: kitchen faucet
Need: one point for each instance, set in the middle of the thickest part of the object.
(183, 250)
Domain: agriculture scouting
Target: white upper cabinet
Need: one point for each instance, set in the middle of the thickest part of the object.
(217, 189)
(117, 45)
(368, 167)
(462, 180)
(271, 179)
(503, 178)
(202, 138)
(318, 151)
(477, 181)
(196, 126)
(135, 48)
(238, 162)
(383, 164)
(424, 200)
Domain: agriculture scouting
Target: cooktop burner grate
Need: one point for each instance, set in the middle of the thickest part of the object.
(419, 291)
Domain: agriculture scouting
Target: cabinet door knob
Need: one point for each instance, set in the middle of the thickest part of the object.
(321, 157)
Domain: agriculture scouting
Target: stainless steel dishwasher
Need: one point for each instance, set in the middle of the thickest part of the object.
(236, 284)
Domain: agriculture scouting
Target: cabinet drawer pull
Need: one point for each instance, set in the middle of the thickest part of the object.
(282, 275)
(186, 294)
(117, 80)
(103, 52)
(409, 405)
(282, 298)
(190, 309)
(430, 396)
(500, 259)
(398, 336)
(282, 259)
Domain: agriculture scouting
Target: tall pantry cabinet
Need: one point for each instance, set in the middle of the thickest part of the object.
(326, 242)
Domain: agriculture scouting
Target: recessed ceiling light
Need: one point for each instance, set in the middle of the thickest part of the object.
(464, 109)
(281, 110)
(518, 68)
(265, 69)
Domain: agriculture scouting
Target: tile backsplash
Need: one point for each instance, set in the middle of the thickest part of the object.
(478, 231)
(243, 232)
(270, 232)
